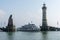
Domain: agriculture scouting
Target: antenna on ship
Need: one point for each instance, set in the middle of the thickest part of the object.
(31, 22)
(1, 24)
(57, 25)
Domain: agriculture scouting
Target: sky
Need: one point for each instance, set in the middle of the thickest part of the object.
(25, 11)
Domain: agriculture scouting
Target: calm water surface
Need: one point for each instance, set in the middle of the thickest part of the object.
(30, 35)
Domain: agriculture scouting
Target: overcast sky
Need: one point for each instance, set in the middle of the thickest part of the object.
(25, 11)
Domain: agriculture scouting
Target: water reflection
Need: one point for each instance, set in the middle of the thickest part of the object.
(50, 35)
(44, 35)
(10, 35)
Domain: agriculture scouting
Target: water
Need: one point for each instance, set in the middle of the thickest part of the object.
(30, 35)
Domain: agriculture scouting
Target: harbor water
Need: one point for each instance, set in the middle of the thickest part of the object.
(50, 35)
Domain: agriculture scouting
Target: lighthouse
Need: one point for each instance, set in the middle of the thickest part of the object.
(44, 26)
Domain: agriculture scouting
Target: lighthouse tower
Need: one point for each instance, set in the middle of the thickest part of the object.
(44, 26)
